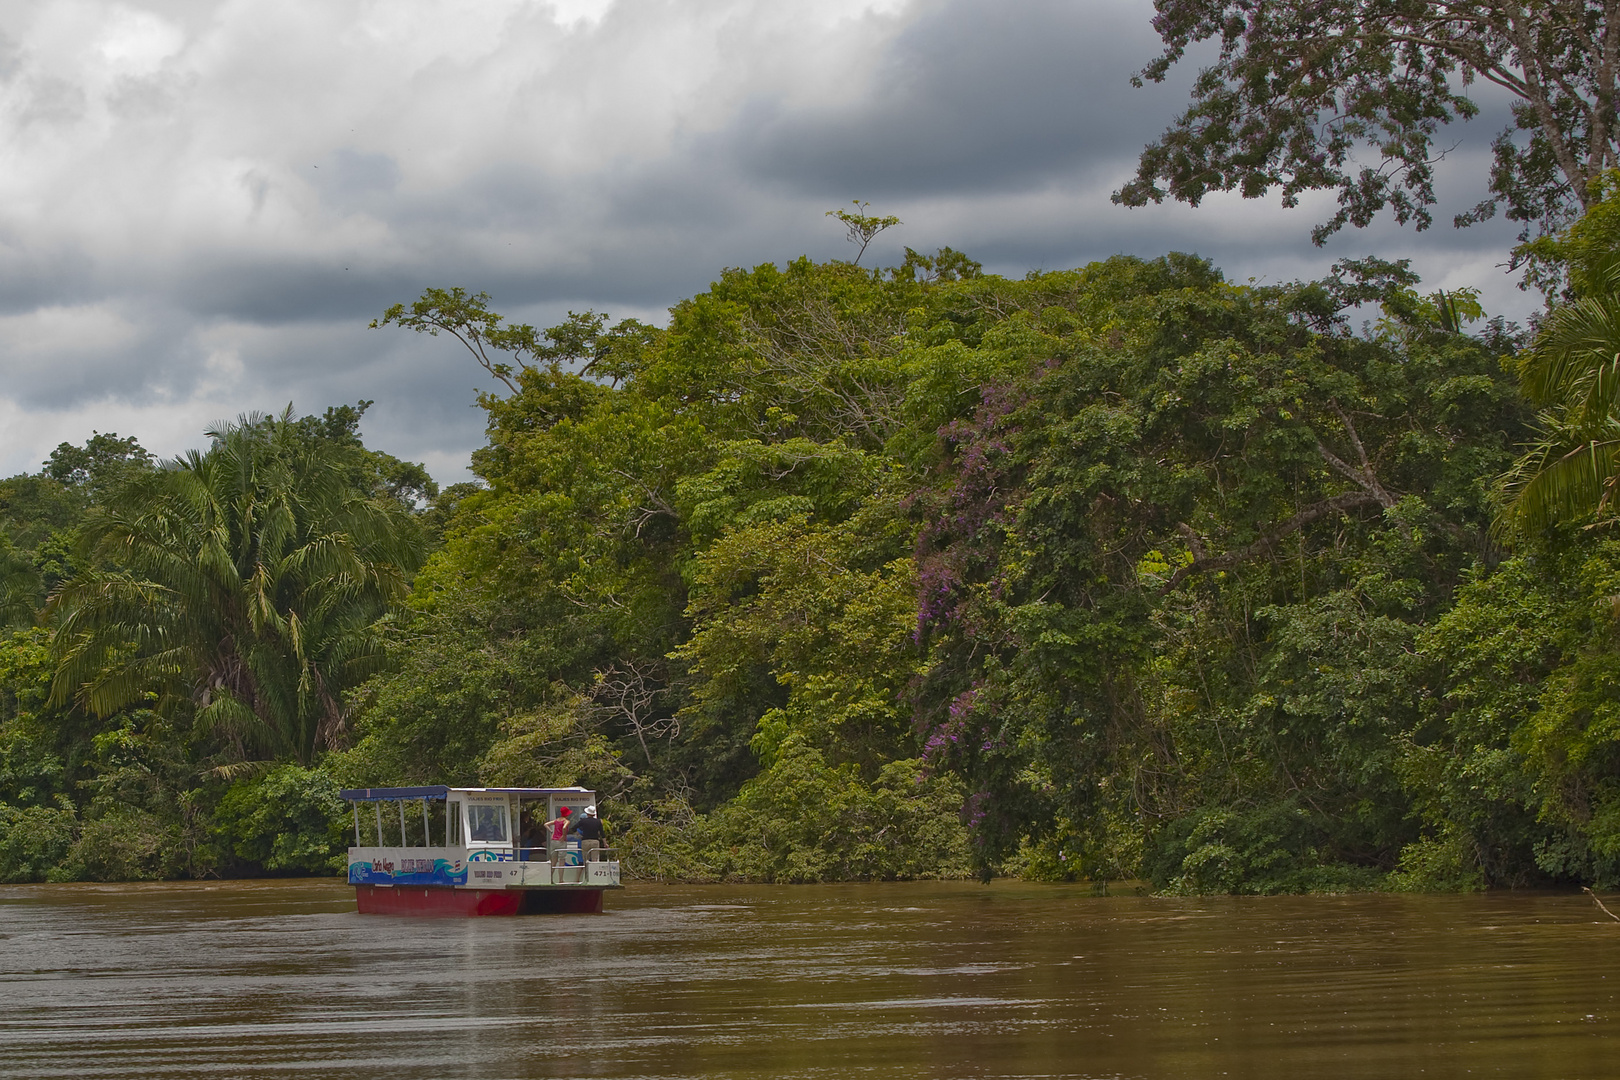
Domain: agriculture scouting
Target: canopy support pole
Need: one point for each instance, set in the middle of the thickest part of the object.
(356, 824)
(403, 841)
(427, 826)
(378, 806)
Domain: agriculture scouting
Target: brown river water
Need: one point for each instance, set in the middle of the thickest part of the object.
(283, 979)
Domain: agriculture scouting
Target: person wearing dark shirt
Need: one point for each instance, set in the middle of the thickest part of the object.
(589, 828)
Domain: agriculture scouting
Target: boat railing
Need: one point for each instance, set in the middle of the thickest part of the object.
(563, 874)
(598, 864)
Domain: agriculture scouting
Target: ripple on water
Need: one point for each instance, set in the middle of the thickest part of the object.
(282, 979)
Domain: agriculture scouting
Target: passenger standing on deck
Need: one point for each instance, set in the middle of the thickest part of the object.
(556, 840)
(590, 833)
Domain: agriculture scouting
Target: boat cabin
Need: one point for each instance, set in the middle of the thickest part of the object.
(444, 850)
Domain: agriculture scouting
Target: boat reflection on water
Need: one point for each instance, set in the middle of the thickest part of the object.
(492, 857)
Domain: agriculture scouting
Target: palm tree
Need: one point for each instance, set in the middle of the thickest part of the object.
(245, 583)
(1572, 373)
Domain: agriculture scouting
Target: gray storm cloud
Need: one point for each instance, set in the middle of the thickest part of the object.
(205, 202)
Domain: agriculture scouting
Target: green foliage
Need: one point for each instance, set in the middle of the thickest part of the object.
(1509, 765)
(1137, 563)
(852, 575)
(130, 844)
(288, 819)
(245, 582)
(143, 809)
(803, 627)
(21, 591)
(1444, 863)
(1408, 315)
(559, 744)
(862, 227)
(802, 820)
(582, 340)
(1570, 374)
(1180, 566)
(1580, 258)
(40, 515)
(1278, 110)
(335, 436)
(432, 718)
(31, 770)
(1268, 849)
(592, 614)
(102, 464)
(34, 841)
(232, 581)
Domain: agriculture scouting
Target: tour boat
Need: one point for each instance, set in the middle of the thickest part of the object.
(493, 859)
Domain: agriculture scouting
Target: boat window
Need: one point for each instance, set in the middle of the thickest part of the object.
(487, 824)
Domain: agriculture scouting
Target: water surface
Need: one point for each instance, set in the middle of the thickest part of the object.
(284, 980)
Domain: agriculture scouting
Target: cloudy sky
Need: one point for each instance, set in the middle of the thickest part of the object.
(204, 202)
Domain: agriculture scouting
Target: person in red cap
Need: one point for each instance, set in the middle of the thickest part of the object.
(557, 838)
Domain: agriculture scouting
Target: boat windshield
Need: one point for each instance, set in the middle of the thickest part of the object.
(486, 824)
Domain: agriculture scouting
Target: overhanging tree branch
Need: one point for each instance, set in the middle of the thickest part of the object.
(1389, 74)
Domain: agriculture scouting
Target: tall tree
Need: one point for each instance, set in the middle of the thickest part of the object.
(244, 582)
(1299, 87)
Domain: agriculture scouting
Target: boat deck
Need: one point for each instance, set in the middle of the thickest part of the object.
(485, 863)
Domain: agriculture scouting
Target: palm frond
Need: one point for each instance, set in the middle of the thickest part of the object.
(248, 574)
(1573, 371)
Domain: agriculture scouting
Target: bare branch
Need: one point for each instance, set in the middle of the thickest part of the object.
(627, 691)
(1362, 476)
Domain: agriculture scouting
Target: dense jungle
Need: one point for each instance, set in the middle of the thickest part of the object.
(1121, 572)
(1124, 572)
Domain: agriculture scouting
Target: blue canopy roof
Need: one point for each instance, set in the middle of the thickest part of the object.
(377, 794)
(439, 791)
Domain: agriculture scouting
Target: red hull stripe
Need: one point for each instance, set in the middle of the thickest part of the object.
(427, 900)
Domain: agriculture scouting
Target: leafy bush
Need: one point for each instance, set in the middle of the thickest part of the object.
(1445, 863)
(1265, 850)
(129, 844)
(803, 821)
(287, 819)
(33, 841)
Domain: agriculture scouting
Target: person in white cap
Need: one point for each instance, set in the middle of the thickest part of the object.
(589, 827)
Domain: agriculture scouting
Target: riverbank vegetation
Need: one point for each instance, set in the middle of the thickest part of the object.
(918, 571)
(847, 574)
